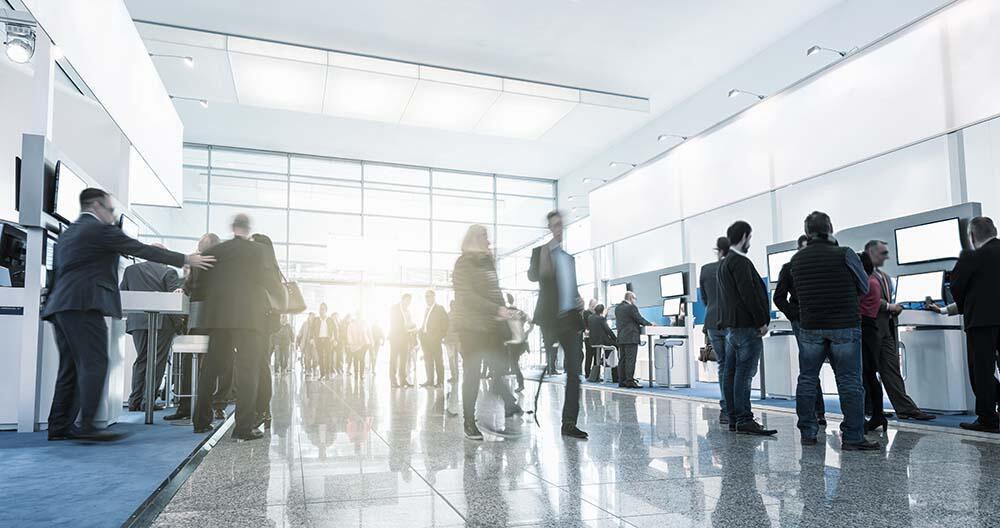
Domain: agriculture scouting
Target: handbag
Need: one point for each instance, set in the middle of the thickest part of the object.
(707, 353)
(291, 301)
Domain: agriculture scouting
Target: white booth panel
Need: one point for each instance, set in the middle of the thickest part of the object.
(659, 248)
(645, 198)
(727, 165)
(702, 230)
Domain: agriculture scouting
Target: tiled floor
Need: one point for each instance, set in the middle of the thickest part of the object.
(342, 454)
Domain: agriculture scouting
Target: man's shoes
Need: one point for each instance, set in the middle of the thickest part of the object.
(723, 418)
(202, 429)
(93, 435)
(732, 427)
(176, 416)
(252, 434)
(219, 415)
(514, 411)
(919, 415)
(141, 407)
(821, 419)
(866, 445)
(807, 440)
(472, 432)
(574, 432)
(981, 427)
(55, 436)
(754, 428)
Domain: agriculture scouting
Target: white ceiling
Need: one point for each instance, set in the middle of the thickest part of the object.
(665, 50)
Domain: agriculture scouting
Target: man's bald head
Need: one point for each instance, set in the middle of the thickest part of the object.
(241, 225)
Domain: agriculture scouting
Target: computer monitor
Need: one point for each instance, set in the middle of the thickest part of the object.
(68, 188)
(775, 261)
(616, 292)
(13, 241)
(939, 240)
(48, 186)
(672, 307)
(917, 287)
(672, 285)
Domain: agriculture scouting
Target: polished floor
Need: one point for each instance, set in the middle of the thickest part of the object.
(364, 455)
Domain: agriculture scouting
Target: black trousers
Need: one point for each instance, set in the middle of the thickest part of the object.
(433, 360)
(225, 384)
(399, 361)
(626, 362)
(477, 349)
(249, 349)
(589, 357)
(984, 343)
(564, 332)
(264, 388)
(550, 339)
(888, 367)
(82, 338)
(325, 352)
(870, 351)
(140, 338)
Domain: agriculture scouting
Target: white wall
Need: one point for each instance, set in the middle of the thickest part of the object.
(982, 165)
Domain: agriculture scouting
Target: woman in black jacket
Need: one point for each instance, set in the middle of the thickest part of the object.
(264, 387)
(480, 317)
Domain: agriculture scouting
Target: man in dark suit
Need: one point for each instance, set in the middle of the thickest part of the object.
(588, 349)
(600, 335)
(629, 322)
(149, 277)
(708, 285)
(235, 296)
(559, 312)
(84, 292)
(975, 285)
(431, 333)
(323, 331)
(401, 334)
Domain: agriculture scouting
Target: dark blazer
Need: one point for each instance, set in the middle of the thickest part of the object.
(542, 271)
(742, 295)
(600, 333)
(86, 267)
(234, 291)
(148, 277)
(477, 296)
(708, 283)
(975, 285)
(784, 295)
(437, 324)
(332, 329)
(629, 322)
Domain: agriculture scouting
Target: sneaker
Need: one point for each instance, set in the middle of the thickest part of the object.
(865, 445)
(472, 432)
(252, 434)
(574, 432)
(754, 428)
(980, 426)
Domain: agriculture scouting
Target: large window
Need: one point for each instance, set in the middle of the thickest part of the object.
(346, 220)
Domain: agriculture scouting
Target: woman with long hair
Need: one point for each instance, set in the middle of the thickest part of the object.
(870, 346)
(480, 316)
(264, 388)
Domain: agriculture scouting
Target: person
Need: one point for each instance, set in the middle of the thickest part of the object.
(480, 315)
(829, 282)
(888, 357)
(378, 339)
(745, 316)
(282, 344)
(432, 331)
(600, 335)
(85, 291)
(306, 351)
(680, 320)
(273, 325)
(323, 336)
(149, 276)
(453, 346)
(785, 301)
(588, 350)
(708, 284)
(520, 327)
(235, 296)
(401, 331)
(629, 322)
(975, 286)
(558, 312)
(870, 344)
(357, 342)
(342, 361)
(970, 361)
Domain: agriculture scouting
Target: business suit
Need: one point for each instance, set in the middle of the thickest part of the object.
(324, 345)
(84, 292)
(236, 315)
(400, 341)
(975, 285)
(559, 325)
(888, 354)
(629, 322)
(433, 331)
(149, 277)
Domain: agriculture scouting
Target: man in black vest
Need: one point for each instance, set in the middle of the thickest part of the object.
(745, 315)
(828, 281)
(975, 285)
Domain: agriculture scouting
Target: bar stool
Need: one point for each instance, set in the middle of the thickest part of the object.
(197, 346)
(608, 359)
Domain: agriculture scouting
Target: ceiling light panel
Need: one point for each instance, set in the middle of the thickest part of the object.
(448, 106)
(278, 51)
(365, 95)
(278, 83)
(371, 64)
(523, 116)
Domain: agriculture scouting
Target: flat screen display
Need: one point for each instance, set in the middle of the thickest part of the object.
(672, 307)
(919, 286)
(929, 242)
(616, 293)
(775, 261)
(68, 189)
(672, 285)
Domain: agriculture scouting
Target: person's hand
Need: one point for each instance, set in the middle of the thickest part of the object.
(929, 304)
(179, 290)
(895, 309)
(505, 313)
(198, 261)
(763, 330)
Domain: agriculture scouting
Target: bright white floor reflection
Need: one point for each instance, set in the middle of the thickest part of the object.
(364, 455)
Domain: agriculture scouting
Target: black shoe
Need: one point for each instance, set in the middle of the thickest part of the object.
(176, 416)
(732, 427)
(514, 411)
(202, 429)
(55, 436)
(919, 415)
(754, 428)
(252, 434)
(723, 418)
(821, 419)
(861, 446)
(472, 432)
(93, 435)
(874, 424)
(219, 415)
(574, 432)
(808, 440)
(981, 427)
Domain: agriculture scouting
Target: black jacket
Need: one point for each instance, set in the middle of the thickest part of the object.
(86, 267)
(437, 324)
(600, 333)
(629, 322)
(148, 277)
(784, 295)
(234, 292)
(332, 328)
(477, 296)
(742, 295)
(542, 271)
(975, 285)
(828, 280)
(708, 283)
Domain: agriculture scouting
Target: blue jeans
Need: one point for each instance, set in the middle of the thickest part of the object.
(843, 347)
(718, 340)
(743, 349)
(820, 404)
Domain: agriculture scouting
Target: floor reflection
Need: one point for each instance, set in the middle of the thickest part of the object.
(357, 453)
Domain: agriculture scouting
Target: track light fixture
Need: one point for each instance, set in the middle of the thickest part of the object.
(588, 180)
(202, 102)
(188, 60)
(816, 49)
(664, 137)
(622, 164)
(734, 92)
(19, 35)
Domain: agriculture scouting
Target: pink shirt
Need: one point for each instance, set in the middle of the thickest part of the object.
(872, 300)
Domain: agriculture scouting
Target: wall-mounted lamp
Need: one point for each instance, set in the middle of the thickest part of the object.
(664, 137)
(588, 180)
(734, 92)
(622, 164)
(19, 35)
(816, 49)
(188, 60)
(202, 102)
